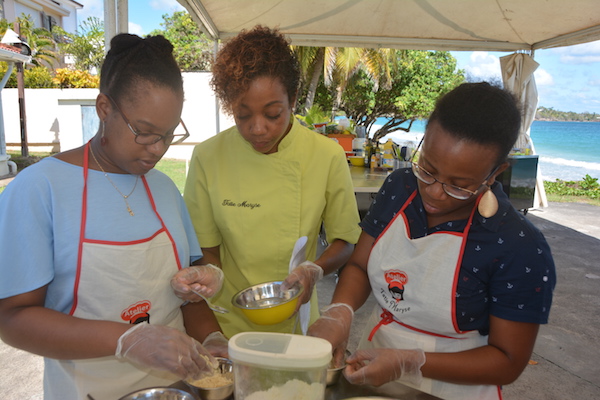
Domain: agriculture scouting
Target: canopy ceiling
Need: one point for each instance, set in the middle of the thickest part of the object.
(494, 25)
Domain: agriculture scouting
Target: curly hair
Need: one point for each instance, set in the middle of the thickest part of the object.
(133, 59)
(260, 52)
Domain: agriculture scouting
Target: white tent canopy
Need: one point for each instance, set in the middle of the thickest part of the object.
(489, 25)
(468, 25)
(493, 25)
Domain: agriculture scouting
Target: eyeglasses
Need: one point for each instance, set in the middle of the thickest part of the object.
(457, 192)
(151, 138)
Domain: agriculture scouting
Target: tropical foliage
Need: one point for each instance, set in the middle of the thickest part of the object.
(588, 187)
(551, 114)
(416, 79)
(68, 78)
(33, 77)
(40, 40)
(193, 50)
(419, 78)
(86, 46)
(42, 78)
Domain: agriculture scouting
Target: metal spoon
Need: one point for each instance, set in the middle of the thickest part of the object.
(212, 306)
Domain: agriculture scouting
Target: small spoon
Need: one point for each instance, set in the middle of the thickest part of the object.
(212, 306)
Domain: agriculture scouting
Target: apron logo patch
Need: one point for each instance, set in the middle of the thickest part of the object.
(242, 204)
(396, 281)
(137, 312)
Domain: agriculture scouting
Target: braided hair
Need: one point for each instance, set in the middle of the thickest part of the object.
(133, 60)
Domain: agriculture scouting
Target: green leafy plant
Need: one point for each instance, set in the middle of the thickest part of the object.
(40, 40)
(86, 46)
(192, 49)
(68, 78)
(34, 78)
(314, 115)
(590, 183)
(38, 77)
(588, 187)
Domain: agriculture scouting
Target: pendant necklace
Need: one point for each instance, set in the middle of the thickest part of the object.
(125, 197)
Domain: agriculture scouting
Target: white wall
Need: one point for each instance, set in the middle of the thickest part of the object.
(55, 114)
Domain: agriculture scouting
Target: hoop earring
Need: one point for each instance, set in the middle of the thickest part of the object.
(488, 205)
(103, 140)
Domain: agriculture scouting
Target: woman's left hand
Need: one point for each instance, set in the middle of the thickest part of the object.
(217, 344)
(206, 279)
(378, 366)
(308, 274)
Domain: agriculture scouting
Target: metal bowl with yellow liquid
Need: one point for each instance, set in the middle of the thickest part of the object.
(266, 303)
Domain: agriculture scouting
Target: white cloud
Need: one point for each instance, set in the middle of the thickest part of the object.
(91, 8)
(543, 77)
(483, 65)
(586, 53)
(135, 29)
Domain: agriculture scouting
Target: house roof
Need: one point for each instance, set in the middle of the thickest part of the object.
(12, 53)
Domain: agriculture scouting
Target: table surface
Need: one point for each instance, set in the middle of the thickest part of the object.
(344, 390)
(367, 180)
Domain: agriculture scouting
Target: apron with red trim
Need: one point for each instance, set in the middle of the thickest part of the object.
(414, 282)
(126, 282)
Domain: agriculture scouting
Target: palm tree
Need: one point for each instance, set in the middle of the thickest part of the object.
(338, 65)
(40, 40)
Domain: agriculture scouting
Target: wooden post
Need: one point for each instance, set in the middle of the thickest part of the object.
(21, 93)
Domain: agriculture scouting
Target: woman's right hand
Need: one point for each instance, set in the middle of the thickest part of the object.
(165, 348)
(206, 279)
(334, 325)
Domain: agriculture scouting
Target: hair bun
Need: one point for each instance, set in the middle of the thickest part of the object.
(124, 42)
(160, 44)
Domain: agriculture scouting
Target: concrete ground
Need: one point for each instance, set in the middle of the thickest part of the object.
(565, 360)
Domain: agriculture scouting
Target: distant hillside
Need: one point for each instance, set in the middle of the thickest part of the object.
(550, 114)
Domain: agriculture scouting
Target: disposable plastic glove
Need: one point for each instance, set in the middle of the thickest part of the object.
(217, 344)
(206, 279)
(167, 349)
(334, 325)
(308, 274)
(378, 366)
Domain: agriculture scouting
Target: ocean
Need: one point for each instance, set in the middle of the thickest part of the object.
(567, 150)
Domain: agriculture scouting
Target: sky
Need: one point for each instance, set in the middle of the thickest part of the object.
(568, 78)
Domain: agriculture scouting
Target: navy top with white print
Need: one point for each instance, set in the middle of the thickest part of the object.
(507, 268)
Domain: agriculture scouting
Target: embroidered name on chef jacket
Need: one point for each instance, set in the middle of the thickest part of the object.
(241, 204)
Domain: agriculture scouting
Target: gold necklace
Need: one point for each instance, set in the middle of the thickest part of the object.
(113, 184)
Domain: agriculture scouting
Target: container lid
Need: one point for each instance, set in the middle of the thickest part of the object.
(280, 350)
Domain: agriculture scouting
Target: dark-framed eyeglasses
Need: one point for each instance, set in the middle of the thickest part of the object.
(151, 138)
(454, 191)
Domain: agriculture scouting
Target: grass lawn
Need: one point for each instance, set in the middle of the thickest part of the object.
(175, 169)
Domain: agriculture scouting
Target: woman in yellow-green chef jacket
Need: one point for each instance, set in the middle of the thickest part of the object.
(254, 189)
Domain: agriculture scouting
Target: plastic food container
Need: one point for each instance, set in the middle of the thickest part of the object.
(269, 365)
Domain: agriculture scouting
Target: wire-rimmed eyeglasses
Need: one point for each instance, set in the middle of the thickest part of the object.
(457, 192)
(151, 138)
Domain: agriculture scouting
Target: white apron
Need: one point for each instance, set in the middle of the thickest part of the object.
(414, 282)
(125, 282)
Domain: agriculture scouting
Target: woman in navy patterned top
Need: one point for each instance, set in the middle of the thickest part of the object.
(462, 280)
